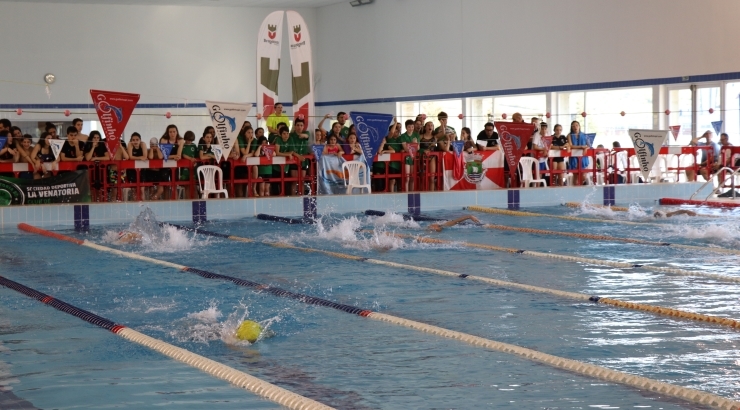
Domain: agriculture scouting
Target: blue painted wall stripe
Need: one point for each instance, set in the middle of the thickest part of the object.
(309, 207)
(199, 212)
(609, 195)
(513, 195)
(414, 202)
(82, 218)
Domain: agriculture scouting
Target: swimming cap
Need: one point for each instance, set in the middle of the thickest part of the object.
(249, 330)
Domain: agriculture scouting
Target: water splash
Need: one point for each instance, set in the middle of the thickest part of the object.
(207, 326)
(154, 236)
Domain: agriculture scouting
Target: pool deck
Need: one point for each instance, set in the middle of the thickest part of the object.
(81, 216)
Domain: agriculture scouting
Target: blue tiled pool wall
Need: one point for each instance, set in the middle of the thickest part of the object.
(198, 211)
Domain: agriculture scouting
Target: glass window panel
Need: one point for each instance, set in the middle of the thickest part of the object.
(453, 108)
(409, 110)
(603, 114)
(529, 106)
(679, 102)
(570, 107)
(732, 112)
(707, 98)
(481, 111)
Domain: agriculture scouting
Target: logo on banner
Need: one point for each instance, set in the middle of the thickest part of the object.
(458, 146)
(475, 171)
(717, 125)
(166, 150)
(590, 139)
(370, 130)
(271, 31)
(3, 141)
(318, 151)
(114, 110)
(514, 138)
(458, 169)
(297, 33)
(225, 117)
(218, 151)
(56, 147)
(647, 145)
(412, 148)
(675, 129)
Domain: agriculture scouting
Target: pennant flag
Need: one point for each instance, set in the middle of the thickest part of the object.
(675, 129)
(547, 142)
(114, 110)
(412, 148)
(513, 137)
(56, 147)
(318, 150)
(590, 139)
(371, 129)
(457, 147)
(458, 170)
(269, 151)
(227, 119)
(218, 152)
(3, 141)
(166, 149)
(301, 67)
(647, 145)
(717, 125)
(268, 62)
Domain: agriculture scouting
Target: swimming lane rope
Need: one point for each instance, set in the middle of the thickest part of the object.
(565, 217)
(574, 366)
(496, 282)
(237, 378)
(612, 207)
(610, 238)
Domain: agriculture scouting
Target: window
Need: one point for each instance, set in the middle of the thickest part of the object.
(732, 112)
(706, 99)
(529, 106)
(679, 103)
(481, 112)
(570, 107)
(603, 114)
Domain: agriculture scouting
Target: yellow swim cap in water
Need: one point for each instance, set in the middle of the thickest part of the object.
(249, 330)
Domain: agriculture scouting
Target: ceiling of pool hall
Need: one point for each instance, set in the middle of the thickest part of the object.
(209, 3)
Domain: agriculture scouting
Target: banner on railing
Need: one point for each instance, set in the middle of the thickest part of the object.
(3, 141)
(675, 129)
(219, 152)
(301, 68)
(67, 187)
(114, 110)
(547, 142)
(268, 62)
(371, 128)
(166, 150)
(331, 178)
(56, 147)
(717, 125)
(590, 139)
(482, 170)
(513, 137)
(227, 119)
(647, 145)
(318, 151)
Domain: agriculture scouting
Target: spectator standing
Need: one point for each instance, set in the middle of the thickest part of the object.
(77, 122)
(560, 143)
(274, 120)
(709, 162)
(578, 140)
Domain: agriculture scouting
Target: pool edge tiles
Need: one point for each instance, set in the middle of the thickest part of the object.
(82, 216)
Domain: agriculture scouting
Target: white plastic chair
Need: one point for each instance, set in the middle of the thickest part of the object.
(207, 181)
(525, 170)
(355, 168)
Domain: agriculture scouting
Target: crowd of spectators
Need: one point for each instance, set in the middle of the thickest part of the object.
(293, 141)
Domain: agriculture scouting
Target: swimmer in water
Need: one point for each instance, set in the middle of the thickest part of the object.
(439, 227)
(128, 237)
(661, 214)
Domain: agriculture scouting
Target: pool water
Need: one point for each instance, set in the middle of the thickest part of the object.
(53, 360)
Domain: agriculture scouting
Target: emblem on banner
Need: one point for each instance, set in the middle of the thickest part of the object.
(105, 107)
(475, 171)
(271, 31)
(297, 33)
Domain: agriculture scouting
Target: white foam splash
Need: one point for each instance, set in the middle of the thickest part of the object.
(206, 326)
(155, 237)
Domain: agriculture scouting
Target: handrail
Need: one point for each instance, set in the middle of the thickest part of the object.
(711, 180)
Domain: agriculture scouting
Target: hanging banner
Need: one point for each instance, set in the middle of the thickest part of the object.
(675, 129)
(458, 170)
(166, 150)
(227, 119)
(590, 139)
(547, 142)
(114, 110)
(371, 129)
(3, 141)
(513, 138)
(218, 152)
(318, 151)
(412, 148)
(56, 147)
(301, 68)
(268, 62)
(647, 145)
(717, 125)
(68, 187)
(268, 151)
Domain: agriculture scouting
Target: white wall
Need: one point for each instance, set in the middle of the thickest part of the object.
(165, 53)
(397, 48)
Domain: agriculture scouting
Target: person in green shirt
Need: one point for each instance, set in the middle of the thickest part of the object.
(342, 119)
(409, 137)
(300, 138)
(188, 151)
(284, 147)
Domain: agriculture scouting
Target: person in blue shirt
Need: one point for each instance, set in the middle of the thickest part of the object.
(578, 140)
(706, 160)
